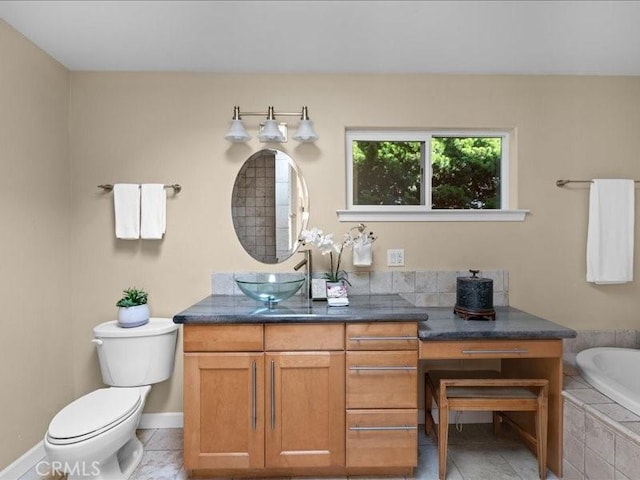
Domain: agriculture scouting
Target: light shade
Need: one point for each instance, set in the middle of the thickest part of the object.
(237, 132)
(270, 132)
(305, 132)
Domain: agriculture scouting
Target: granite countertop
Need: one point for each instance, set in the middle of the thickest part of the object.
(216, 309)
(510, 323)
(434, 323)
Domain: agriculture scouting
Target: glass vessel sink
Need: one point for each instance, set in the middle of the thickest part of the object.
(269, 288)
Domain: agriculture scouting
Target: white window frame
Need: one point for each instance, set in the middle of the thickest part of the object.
(420, 213)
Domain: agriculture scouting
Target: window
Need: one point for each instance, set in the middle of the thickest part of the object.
(430, 175)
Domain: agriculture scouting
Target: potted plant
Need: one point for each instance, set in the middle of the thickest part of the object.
(133, 310)
(337, 279)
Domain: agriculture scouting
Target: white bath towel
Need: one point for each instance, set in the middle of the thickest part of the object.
(126, 203)
(153, 222)
(611, 231)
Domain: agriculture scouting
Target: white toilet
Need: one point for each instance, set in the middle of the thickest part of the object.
(95, 435)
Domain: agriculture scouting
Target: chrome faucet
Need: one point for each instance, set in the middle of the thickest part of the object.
(307, 263)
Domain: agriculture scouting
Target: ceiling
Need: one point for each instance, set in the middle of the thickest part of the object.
(506, 37)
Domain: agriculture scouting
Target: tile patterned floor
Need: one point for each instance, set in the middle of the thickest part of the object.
(474, 454)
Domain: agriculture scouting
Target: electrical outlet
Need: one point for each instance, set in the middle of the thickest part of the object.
(395, 257)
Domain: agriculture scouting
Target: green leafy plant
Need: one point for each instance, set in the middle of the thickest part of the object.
(132, 297)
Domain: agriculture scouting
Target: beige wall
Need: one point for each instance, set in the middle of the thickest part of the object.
(164, 127)
(157, 127)
(35, 207)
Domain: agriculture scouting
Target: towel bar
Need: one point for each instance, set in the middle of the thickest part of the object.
(562, 183)
(107, 187)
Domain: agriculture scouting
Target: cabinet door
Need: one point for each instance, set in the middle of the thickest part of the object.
(224, 410)
(305, 424)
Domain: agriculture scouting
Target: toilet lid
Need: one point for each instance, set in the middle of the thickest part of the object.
(94, 412)
(156, 326)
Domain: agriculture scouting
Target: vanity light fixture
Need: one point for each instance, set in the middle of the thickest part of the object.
(271, 130)
(237, 133)
(305, 132)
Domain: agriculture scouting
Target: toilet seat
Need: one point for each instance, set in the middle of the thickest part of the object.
(93, 414)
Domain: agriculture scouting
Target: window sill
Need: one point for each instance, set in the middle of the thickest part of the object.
(377, 215)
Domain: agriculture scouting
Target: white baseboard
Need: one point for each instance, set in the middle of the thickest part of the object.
(23, 464)
(161, 420)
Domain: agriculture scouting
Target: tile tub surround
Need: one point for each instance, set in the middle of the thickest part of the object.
(601, 438)
(429, 288)
(601, 338)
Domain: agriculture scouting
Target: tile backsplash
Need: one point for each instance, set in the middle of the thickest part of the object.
(429, 288)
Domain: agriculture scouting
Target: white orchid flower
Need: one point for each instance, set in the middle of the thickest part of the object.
(311, 236)
(327, 245)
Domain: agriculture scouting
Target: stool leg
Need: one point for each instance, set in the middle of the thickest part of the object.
(428, 404)
(541, 435)
(497, 424)
(443, 432)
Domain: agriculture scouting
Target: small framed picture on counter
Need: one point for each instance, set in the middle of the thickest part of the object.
(318, 289)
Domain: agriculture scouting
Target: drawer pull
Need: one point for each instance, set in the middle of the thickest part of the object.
(391, 339)
(485, 352)
(390, 427)
(404, 368)
(254, 400)
(273, 395)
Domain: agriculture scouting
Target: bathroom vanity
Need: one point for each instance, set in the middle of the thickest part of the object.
(310, 389)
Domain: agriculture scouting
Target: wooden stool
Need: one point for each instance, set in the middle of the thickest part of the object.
(483, 390)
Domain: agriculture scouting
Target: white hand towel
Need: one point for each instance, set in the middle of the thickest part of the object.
(126, 203)
(153, 221)
(611, 231)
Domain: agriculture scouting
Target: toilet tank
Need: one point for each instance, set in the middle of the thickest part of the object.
(136, 356)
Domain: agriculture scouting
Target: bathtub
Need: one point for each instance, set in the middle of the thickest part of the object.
(614, 372)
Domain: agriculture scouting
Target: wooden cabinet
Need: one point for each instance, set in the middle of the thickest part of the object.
(521, 358)
(382, 395)
(223, 405)
(223, 392)
(305, 395)
(305, 409)
(382, 336)
(381, 438)
(251, 406)
(382, 379)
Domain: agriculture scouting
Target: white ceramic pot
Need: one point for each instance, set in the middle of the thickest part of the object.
(337, 294)
(336, 290)
(133, 316)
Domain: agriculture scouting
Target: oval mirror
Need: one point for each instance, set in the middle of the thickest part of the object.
(269, 206)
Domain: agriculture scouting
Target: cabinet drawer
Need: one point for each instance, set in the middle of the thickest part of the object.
(382, 438)
(382, 336)
(491, 349)
(304, 337)
(382, 379)
(222, 338)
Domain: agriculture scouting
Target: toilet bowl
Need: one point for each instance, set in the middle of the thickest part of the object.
(95, 435)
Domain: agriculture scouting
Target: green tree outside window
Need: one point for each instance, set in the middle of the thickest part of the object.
(465, 172)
